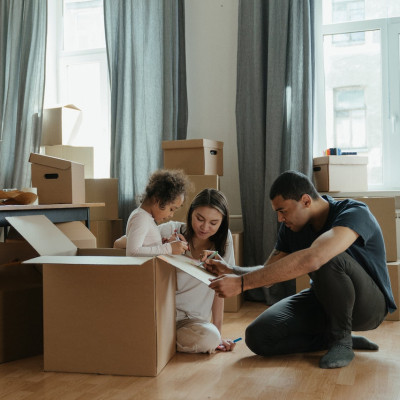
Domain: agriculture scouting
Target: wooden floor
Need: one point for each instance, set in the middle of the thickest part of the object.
(236, 375)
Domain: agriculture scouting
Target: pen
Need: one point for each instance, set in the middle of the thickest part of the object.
(176, 235)
(237, 340)
(208, 258)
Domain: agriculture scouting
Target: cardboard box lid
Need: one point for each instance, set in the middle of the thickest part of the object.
(43, 235)
(340, 160)
(55, 248)
(191, 143)
(50, 161)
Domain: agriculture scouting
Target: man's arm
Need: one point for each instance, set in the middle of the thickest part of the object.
(280, 269)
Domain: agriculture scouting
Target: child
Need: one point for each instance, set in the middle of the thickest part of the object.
(164, 194)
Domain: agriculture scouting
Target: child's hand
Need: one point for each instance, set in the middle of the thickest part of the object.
(179, 247)
(226, 345)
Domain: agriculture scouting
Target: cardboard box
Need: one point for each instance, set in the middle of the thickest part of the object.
(199, 183)
(106, 232)
(104, 314)
(58, 181)
(60, 125)
(195, 156)
(21, 312)
(383, 209)
(340, 173)
(81, 155)
(398, 232)
(394, 274)
(78, 234)
(233, 304)
(102, 191)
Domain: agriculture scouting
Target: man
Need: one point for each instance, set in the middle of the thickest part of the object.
(340, 245)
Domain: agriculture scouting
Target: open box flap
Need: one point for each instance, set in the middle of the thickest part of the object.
(88, 260)
(43, 235)
(190, 266)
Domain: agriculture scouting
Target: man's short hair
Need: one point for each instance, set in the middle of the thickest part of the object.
(292, 185)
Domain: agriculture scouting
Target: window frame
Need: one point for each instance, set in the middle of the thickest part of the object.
(390, 106)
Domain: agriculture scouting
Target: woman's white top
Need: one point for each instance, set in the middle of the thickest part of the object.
(194, 299)
(143, 237)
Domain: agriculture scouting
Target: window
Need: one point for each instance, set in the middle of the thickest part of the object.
(77, 72)
(349, 119)
(358, 87)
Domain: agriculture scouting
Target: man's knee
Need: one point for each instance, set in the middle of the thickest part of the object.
(258, 340)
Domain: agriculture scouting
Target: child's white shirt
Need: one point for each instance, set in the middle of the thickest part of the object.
(143, 237)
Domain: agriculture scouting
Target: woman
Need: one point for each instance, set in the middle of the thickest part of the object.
(207, 228)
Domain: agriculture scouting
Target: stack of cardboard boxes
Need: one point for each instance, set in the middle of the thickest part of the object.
(202, 161)
(353, 176)
(104, 221)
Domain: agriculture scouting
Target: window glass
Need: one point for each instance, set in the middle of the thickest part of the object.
(83, 25)
(353, 92)
(337, 11)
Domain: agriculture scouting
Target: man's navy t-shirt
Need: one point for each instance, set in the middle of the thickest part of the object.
(368, 250)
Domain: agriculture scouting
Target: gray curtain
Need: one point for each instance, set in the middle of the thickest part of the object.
(146, 57)
(23, 27)
(274, 115)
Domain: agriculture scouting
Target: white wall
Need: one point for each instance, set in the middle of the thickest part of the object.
(211, 46)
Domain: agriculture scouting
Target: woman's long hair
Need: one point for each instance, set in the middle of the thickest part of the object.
(215, 199)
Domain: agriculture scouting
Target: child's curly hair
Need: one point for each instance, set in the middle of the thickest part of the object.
(166, 185)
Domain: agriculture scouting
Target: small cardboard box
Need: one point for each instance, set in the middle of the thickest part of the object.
(195, 156)
(394, 274)
(199, 183)
(81, 155)
(102, 191)
(104, 314)
(340, 173)
(60, 125)
(58, 181)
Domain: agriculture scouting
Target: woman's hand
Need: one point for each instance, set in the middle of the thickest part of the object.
(226, 345)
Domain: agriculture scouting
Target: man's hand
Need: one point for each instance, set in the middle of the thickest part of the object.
(217, 267)
(227, 285)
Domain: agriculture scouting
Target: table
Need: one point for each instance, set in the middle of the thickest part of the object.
(54, 212)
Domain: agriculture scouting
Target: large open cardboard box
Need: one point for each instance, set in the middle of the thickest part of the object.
(194, 156)
(102, 313)
(340, 173)
(58, 181)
